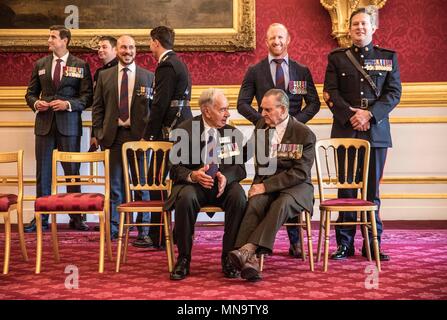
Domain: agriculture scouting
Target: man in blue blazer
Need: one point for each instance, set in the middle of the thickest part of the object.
(280, 72)
(59, 90)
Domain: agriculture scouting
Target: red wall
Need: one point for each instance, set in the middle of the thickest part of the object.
(415, 29)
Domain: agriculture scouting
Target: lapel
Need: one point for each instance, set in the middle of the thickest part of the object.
(47, 66)
(136, 85)
(265, 69)
(114, 87)
(288, 134)
(202, 141)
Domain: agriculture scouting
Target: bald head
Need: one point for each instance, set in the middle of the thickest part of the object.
(126, 50)
(277, 40)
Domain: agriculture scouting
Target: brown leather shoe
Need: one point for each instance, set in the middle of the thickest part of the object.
(238, 258)
(250, 270)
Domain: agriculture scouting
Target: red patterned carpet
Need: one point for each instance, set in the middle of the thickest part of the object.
(417, 270)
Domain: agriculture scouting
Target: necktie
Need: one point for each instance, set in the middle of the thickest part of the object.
(124, 97)
(279, 77)
(211, 154)
(57, 74)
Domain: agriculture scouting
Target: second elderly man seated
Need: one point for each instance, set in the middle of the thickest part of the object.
(280, 190)
(207, 168)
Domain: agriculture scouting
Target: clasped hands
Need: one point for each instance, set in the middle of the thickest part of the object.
(56, 105)
(207, 181)
(360, 120)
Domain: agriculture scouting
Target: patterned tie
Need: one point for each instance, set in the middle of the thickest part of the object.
(124, 97)
(279, 78)
(211, 156)
(57, 74)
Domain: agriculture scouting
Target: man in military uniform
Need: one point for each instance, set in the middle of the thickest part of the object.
(362, 86)
(279, 71)
(171, 96)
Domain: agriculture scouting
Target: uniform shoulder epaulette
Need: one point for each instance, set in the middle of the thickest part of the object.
(339, 50)
(384, 49)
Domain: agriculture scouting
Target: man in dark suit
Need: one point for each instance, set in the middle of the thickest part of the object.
(278, 192)
(210, 179)
(59, 90)
(281, 72)
(120, 108)
(361, 94)
(171, 96)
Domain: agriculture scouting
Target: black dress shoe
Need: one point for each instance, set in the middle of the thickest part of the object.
(80, 225)
(181, 269)
(71, 224)
(228, 270)
(295, 250)
(382, 255)
(343, 252)
(143, 242)
(31, 227)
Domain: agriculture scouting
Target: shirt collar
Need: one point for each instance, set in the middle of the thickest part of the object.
(131, 67)
(163, 55)
(281, 127)
(64, 57)
(207, 127)
(286, 59)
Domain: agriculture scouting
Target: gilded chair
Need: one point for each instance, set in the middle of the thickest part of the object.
(76, 203)
(145, 164)
(343, 164)
(12, 201)
(303, 223)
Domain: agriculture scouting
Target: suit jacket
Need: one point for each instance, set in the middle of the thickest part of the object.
(258, 80)
(346, 87)
(105, 108)
(180, 172)
(172, 82)
(76, 90)
(292, 176)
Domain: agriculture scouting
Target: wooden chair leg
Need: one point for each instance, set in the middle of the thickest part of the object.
(39, 241)
(120, 242)
(54, 238)
(301, 235)
(169, 253)
(366, 236)
(108, 236)
(375, 240)
(126, 240)
(101, 242)
(309, 241)
(320, 234)
(7, 222)
(21, 232)
(326, 238)
(171, 236)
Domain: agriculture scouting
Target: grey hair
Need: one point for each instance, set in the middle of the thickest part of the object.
(281, 97)
(208, 96)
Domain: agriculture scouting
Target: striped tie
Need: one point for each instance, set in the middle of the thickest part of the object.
(279, 77)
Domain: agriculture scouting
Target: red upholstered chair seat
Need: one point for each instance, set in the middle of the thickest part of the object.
(6, 200)
(70, 202)
(346, 202)
(143, 203)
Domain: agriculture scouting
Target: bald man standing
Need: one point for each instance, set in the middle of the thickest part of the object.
(120, 107)
(278, 71)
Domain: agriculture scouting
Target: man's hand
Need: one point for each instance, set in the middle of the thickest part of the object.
(42, 105)
(221, 183)
(202, 178)
(59, 105)
(255, 189)
(360, 120)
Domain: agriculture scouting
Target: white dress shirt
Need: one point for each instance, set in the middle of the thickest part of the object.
(285, 67)
(278, 135)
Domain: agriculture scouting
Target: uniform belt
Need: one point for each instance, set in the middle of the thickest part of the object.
(179, 103)
(366, 103)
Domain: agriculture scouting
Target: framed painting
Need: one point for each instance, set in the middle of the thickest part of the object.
(200, 25)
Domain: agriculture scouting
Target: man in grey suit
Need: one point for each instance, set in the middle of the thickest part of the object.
(281, 72)
(59, 90)
(280, 194)
(119, 112)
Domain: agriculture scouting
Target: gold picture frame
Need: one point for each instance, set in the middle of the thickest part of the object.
(240, 37)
